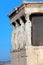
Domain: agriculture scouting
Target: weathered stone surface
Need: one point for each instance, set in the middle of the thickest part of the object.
(18, 37)
(30, 56)
(23, 53)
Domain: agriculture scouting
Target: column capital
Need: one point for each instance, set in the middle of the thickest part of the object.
(21, 21)
(27, 17)
(13, 24)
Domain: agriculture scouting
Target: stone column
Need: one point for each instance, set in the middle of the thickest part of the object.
(28, 30)
(12, 38)
(15, 45)
(21, 39)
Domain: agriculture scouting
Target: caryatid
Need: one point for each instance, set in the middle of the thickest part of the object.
(15, 44)
(21, 35)
(18, 36)
(28, 31)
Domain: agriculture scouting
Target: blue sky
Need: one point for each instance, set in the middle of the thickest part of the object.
(6, 6)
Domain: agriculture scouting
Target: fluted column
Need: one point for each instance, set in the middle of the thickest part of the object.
(28, 30)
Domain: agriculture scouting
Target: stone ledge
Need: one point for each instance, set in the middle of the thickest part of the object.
(17, 50)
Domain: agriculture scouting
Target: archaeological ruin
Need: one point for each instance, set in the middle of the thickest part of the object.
(27, 34)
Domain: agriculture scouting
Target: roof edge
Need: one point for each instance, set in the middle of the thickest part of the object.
(15, 9)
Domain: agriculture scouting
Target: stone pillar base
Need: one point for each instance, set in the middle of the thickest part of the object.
(33, 55)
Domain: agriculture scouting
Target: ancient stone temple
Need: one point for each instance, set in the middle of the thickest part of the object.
(27, 34)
